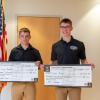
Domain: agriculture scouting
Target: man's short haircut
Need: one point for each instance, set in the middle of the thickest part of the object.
(25, 30)
(66, 20)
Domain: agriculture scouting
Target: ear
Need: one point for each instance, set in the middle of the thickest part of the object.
(30, 37)
(71, 28)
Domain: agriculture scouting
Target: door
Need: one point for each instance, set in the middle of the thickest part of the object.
(44, 32)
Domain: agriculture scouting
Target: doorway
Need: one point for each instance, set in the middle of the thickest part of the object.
(44, 32)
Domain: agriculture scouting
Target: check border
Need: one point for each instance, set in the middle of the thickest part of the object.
(47, 69)
(16, 62)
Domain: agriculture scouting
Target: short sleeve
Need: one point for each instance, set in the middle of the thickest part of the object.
(11, 56)
(39, 57)
(82, 53)
(53, 54)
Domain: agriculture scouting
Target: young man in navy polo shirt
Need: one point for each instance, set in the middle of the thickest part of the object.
(68, 51)
(24, 52)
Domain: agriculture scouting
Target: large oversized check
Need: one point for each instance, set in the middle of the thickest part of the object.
(18, 72)
(68, 75)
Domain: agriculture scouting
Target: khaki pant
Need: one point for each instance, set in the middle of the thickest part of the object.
(74, 93)
(24, 91)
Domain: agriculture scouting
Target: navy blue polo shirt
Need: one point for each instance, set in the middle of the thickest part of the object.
(68, 53)
(30, 54)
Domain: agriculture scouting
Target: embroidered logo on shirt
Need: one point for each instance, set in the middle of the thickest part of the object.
(73, 47)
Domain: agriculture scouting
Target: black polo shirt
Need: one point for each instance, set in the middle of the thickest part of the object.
(30, 54)
(68, 53)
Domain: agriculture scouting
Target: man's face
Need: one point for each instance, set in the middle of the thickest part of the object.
(24, 38)
(65, 29)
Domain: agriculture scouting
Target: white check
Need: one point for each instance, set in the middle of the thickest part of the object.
(18, 72)
(68, 76)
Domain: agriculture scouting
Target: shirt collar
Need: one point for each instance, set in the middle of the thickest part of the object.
(20, 47)
(69, 41)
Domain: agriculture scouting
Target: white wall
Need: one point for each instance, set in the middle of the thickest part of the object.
(86, 21)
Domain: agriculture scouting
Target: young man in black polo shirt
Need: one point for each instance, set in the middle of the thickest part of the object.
(24, 52)
(68, 51)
